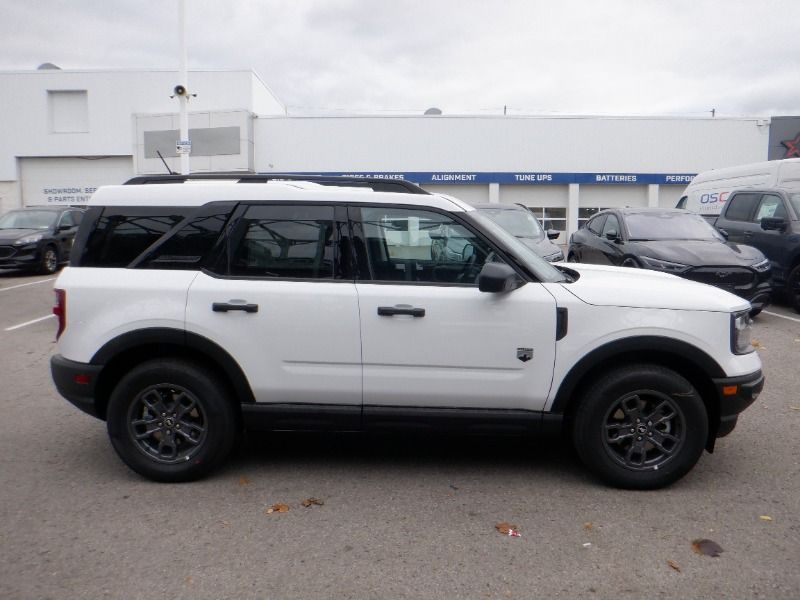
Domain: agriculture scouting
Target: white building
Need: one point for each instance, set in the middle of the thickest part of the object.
(66, 132)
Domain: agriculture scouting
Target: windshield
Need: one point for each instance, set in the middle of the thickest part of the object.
(669, 226)
(519, 223)
(28, 219)
(544, 271)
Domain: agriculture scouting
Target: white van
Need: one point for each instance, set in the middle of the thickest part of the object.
(707, 192)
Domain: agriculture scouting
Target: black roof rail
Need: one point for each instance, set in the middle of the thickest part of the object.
(376, 183)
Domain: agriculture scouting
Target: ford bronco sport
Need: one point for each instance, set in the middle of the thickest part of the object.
(196, 307)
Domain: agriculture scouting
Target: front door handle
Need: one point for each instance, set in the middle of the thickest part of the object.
(227, 306)
(401, 309)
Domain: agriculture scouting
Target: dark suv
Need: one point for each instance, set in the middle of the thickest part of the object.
(38, 238)
(768, 219)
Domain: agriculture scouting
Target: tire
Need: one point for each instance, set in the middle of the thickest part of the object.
(631, 263)
(653, 452)
(48, 263)
(755, 312)
(193, 435)
(571, 258)
(793, 288)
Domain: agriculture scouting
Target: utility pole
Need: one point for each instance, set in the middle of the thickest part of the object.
(183, 98)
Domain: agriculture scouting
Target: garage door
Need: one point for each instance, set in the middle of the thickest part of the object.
(69, 180)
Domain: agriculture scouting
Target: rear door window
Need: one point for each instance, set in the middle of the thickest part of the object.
(285, 241)
(741, 206)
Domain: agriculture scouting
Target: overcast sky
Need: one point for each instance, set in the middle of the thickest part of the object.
(619, 57)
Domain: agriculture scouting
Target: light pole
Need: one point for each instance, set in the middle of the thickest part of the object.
(184, 146)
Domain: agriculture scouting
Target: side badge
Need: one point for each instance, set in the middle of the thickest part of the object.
(524, 354)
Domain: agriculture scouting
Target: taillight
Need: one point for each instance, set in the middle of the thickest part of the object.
(60, 310)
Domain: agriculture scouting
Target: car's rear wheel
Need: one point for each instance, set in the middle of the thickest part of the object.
(170, 420)
(640, 427)
(572, 258)
(48, 263)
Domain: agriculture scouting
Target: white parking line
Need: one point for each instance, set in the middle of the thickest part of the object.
(13, 287)
(772, 314)
(26, 323)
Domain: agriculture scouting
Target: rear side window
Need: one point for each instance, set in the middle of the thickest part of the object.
(123, 233)
(283, 241)
(740, 207)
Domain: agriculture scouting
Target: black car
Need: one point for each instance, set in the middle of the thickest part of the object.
(38, 238)
(518, 221)
(677, 242)
(768, 219)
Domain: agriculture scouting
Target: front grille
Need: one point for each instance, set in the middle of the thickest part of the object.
(6, 251)
(724, 277)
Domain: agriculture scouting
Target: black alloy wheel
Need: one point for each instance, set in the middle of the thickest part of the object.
(640, 427)
(167, 423)
(643, 430)
(172, 420)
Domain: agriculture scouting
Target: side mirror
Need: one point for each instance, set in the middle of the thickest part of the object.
(773, 223)
(723, 233)
(553, 234)
(64, 227)
(497, 278)
(612, 235)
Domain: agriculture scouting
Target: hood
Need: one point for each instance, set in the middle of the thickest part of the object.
(698, 253)
(543, 247)
(11, 235)
(641, 288)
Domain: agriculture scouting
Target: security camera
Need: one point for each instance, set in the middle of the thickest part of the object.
(179, 90)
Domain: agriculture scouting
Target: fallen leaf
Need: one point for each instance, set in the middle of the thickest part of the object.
(588, 526)
(587, 545)
(765, 518)
(189, 580)
(244, 480)
(673, 565)
(225, 523)
(280, 507)
(310, 501)
(707, 548)
(757, 344)
(794, 408)
(507, 529)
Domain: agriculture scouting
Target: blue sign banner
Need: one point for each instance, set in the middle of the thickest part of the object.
(521, 178)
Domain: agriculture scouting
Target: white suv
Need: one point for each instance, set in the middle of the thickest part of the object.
(196, 307)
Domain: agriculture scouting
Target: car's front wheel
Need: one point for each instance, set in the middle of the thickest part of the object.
(640, 427)
(48, 263)
(170, 420)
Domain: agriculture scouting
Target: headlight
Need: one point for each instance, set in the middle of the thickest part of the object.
(663, 265)
(741, 332)
(29, 239)
(763, 266)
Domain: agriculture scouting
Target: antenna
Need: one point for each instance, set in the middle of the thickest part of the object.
(170, 171)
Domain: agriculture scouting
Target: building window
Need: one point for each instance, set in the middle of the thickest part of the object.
(551, 217)
(68, 111)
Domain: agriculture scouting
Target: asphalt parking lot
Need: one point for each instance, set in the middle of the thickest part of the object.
(401, 517)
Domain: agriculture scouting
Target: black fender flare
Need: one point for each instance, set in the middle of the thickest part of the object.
(194, 344)
(641, 347)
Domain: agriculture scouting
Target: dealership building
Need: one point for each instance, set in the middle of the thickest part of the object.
(64, 133)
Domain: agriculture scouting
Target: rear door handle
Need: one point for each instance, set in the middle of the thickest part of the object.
(402, 309)
(227, 306)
